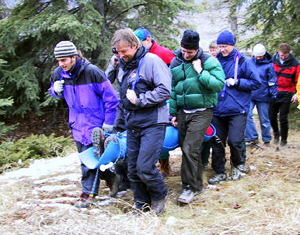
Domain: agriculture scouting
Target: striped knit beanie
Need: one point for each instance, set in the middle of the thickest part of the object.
(65, 49)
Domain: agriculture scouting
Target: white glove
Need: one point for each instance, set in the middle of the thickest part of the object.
(107, 128)
(230, 82)
(197, 65)
(59, 87)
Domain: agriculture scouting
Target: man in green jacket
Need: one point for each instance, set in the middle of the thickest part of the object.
(196, 80)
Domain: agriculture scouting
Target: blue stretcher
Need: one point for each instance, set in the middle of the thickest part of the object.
(117, 150)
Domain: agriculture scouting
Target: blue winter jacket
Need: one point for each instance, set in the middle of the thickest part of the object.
(91, 98)
(235, 100)
(268, 89)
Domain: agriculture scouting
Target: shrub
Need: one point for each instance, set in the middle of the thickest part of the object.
(20, 153)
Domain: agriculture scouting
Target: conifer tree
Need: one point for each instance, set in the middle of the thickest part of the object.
(32, 29)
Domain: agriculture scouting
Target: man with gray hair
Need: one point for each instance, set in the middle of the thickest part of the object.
(92, 102)
(145, 84)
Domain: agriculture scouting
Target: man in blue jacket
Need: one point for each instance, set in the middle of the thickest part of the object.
(145, 84)
(92, 102)
(230, 114)
(261, 97)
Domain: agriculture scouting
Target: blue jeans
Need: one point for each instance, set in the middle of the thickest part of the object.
(265, 125)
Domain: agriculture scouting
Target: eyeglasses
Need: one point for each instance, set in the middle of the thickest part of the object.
(222, 47)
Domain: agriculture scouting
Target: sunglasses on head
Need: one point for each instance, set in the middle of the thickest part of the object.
(114, 50)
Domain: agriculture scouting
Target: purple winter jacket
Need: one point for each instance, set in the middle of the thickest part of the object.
(91, 98)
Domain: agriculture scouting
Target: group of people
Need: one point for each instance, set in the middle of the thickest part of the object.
(188, 88)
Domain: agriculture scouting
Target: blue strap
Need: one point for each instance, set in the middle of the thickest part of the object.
(137, 75)
(236, 59)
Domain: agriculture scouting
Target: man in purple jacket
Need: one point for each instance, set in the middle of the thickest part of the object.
(92, 102)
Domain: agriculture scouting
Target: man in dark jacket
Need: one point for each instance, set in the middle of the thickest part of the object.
(196, 80)
(287, 69)
(145, 84)
(261, 97)
(92, 102)
(230, 115)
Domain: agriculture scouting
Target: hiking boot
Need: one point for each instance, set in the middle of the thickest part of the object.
(186, 196)
(140, 208)
(276, 138)
(235, 173)
(109, 139)
(199, 192)
(252, 143)
(114, 186)
(267, 144)
(158, 206)
(242, 168)
(217, 178)
(283, 143)
(98, 141)
(82, 202)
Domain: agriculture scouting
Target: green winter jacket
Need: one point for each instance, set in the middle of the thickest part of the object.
(191, 90)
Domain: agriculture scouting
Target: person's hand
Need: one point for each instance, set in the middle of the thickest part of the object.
(230, 82)
(59, 87)
(197, 65)
(107, 127)
(115, 60)
(131, 96)
(294, 98)
(174, 121)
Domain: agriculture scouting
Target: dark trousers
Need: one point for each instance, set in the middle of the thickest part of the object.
(205, 150)
(233, 128)
(192, 128)
(143, 149)
(89, 175)
(283, 108)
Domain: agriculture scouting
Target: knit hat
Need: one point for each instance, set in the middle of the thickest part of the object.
(142, 33)
(226, 37)
(65, 49)
(190, 39)
(259, 50)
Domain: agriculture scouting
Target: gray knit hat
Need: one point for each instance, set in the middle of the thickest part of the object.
(65, 49)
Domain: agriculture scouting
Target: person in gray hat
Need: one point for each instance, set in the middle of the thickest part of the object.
(92, 102)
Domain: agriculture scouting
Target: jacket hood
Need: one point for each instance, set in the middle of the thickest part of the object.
(180, 57)
(288, 62)
(76, 70)
(228, 57)
(266, 60)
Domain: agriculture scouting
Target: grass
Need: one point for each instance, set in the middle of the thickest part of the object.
(265, 201)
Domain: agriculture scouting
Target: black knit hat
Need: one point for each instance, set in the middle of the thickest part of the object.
(65, 49)
(190, 39)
